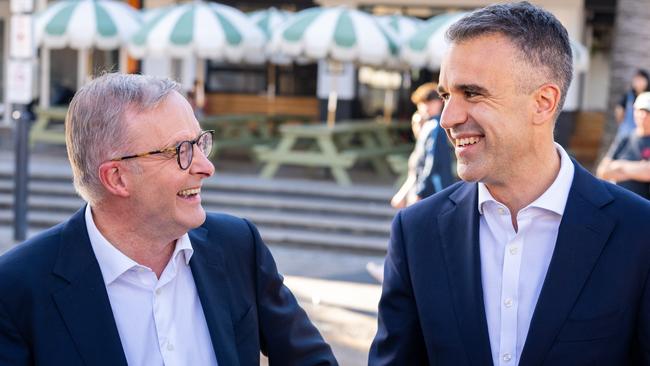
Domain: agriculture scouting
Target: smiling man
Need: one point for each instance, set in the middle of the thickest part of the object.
(530, 260)
(141, 275)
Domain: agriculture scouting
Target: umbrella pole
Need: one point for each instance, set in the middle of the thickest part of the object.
(82, 67)
(332, 99)
(388, 105)
(44, 101)
(123, 61)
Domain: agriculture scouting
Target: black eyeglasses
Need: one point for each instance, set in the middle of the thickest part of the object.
(184, 150)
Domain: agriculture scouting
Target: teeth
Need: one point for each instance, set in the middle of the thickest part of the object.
(189, 192)
(467, 141)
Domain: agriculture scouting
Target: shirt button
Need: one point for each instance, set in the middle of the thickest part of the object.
(508, 303)
(507, 357)
(514, 250)
(158, 291)
(501, 211)
(170, 347)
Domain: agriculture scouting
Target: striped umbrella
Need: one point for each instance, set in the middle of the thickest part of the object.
(205, 30)
(270, 21)
(401, 26)
(427, 47)
(338, 34)
(84, 24)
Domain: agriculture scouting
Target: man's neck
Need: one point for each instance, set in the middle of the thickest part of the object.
(147, 248)
(525, 185)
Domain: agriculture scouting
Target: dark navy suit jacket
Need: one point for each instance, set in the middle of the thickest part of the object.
(54, 309)
(594, 307)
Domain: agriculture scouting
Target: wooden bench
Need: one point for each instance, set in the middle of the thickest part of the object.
(338, 148)
(49, 126)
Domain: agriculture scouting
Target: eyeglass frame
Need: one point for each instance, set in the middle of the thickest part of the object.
(176, 149)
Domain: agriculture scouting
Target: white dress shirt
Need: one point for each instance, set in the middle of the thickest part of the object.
(514, 264)
(160, 320)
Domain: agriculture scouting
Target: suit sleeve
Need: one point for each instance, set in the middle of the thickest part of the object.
(399, 339)
(13, 349)
(287, 335)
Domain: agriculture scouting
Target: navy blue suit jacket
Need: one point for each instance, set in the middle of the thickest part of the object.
(54, 308)
(594, 307)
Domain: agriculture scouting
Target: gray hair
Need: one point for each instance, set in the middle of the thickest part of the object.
(542, 40)
(96, 123)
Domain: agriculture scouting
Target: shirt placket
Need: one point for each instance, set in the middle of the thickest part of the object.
(162, 313)
(509, 303)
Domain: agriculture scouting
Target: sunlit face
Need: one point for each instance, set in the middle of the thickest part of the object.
(163, 195)
(642, 120)
(487, 113)
(639, 84)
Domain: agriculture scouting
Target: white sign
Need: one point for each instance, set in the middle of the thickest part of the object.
(336, 79)
(21, 40)
(22, 6)
(19, 81)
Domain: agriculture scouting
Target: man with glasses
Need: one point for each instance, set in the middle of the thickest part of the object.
(141, 275)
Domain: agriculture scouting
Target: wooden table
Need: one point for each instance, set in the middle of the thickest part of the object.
(337, 148)
(244, 131)
(49, 126)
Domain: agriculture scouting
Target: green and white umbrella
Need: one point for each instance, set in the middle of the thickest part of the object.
(204, 30)
(427, 47)
(401, 26)
(84, 24)
(270, 21)
(336, 34)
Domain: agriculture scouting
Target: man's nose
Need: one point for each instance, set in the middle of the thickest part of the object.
(201, 164)
(453, 113)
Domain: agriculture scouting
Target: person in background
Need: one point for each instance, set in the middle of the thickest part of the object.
(141, 275)
(430, 163)
(430, 166)
(196, 97)
(531, 260)
(624, 111)
(627, 163)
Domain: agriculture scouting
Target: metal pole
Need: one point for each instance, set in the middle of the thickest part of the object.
(21, 177)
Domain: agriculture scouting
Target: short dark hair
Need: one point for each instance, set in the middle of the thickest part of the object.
(540, 37)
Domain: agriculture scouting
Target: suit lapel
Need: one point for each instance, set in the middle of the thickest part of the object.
(581, 238)
(84, 304)
(459, 229)
(211, 284)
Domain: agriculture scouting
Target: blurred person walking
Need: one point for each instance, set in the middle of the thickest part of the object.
(531, 260)
(141, 275)
(627, 163)
(430, 164)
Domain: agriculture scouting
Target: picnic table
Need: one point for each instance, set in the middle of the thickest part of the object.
(49, 126)
(337, 148)
(243, 131)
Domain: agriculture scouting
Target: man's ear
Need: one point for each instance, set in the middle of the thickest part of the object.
(547, 101)
(111, 174)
